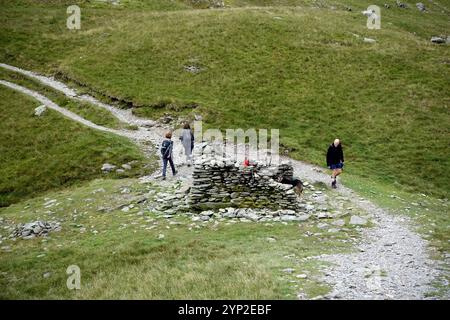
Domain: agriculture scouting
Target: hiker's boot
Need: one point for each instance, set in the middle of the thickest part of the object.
(333, 184)
(163, 178)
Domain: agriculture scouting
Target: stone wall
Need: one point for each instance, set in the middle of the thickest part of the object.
(223, 183)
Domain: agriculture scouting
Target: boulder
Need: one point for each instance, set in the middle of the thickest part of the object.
(421, 6)
(39, 111)
(439, 40)
(355, 220)
(106, 167)
(126, 166)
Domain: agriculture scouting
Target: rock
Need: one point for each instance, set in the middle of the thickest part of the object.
(101, 190)
(208, 213)
(252, 216)
(303, 217)
(369, 40)
(355, 220)
(166, 119)
(192, 69)
(289, 218)
(126, 166)
(120, 171)
(301, 276)
(106, 167)
(47, 275)
(288, 270)
(322, 215)
(39, 111)
(271, 239)
(160, 236)
(184, 189)
(421, 6)
(438, 39)
(34, 229)
(401, 4)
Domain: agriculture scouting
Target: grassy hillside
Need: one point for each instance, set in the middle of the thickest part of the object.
(38, 154)
(86, 110)
(301, 69)
(122, 255)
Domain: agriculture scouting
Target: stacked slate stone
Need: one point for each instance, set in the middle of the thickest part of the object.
(221, 183)
(35, 229)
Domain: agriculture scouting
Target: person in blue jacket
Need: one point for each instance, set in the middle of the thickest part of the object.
(167, 154)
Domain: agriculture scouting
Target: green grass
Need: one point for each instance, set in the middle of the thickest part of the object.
(37, 154)
(305, 73)
(125, 260)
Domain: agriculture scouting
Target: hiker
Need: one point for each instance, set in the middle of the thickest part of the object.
(335, 160)
(167, 154)
(187, 140)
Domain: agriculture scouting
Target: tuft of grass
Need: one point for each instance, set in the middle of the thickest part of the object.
(41, 153)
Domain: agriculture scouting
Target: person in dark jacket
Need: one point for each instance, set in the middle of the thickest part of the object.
(335, 160)
(167, 154)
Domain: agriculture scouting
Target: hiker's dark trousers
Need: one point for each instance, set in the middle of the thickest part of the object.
(165, 166)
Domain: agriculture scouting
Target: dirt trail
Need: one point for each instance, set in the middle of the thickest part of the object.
(391, 261)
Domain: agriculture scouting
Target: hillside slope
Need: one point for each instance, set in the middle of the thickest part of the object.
(48, 152)
(303, 69)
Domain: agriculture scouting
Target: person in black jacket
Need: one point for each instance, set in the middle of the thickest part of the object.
(167, 154)
(335, 160)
